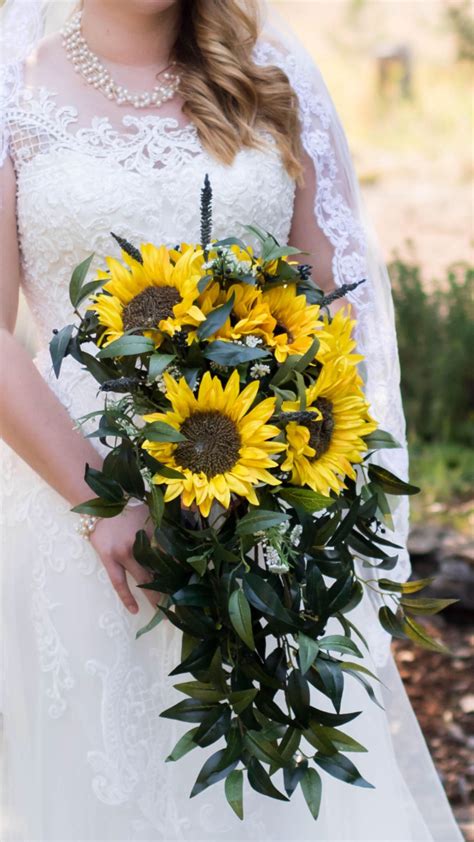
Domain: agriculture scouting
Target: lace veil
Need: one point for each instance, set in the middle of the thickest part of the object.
(338, 211)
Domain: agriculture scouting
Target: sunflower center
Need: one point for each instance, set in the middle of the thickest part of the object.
(280, 328)
(320, 432)
(149, 307)
(212, 445)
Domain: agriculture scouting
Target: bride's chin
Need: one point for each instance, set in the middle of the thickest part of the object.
(150, 6)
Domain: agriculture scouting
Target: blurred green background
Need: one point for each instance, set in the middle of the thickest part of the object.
(401, 73)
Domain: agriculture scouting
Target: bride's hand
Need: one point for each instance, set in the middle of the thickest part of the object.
(113, 540)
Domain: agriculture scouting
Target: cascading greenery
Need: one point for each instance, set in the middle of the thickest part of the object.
(235, 412)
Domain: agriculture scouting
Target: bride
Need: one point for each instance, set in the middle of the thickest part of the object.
(111, 124)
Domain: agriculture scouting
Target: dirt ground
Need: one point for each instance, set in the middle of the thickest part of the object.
(441, 690)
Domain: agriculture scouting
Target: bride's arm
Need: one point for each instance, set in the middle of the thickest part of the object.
(37, 426)
(306, 235)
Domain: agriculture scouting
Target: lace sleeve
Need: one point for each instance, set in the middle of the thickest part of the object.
(340, 215)
(21, 26)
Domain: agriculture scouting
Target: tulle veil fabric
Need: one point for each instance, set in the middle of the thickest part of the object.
(342, 219)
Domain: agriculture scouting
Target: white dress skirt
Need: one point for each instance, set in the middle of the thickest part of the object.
(83, 744)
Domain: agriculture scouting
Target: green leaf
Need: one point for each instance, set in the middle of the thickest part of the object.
(197, 593)
(261, 748)
(307, 651)
(233, 788)
(261, 782)
(241, 617)
(231, 241)
(87, 290)
(99, 508)
(77, 279)
(230, 354)
(106, 488)
(165, 471)
(405, 587)
(343, 769)
(341, 741)
(198, 563)
(189, 710)
(157, 364)
(350, 666)
(389, 482)
(58, 347)
(305, 499)
(214, 725)
(425, 606)
(216, 319)
(298, 696)
(380, 439)
(258, 232)
(156, 503)
(158, 616)
(160, 431)
(127, 346)
(257, 520)
(280, 251)
(261, 595)
(199, 658)
(332, 679)
(322, 717)
(339, 643)
(184, 744)
(295, 362)
(241, 699)
(311, 785)
(200, 690)
(289, 744)
(419, 635)
(392, 623)
(212, 772)
(316, 590)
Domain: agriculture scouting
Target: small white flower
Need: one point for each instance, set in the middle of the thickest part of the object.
(284, 527)
(295, 535)
(272, 555)
(252, 341)
(259, 370)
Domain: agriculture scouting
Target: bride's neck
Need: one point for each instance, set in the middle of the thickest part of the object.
(119, 34)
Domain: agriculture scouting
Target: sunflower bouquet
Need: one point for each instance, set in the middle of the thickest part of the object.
(234, 408)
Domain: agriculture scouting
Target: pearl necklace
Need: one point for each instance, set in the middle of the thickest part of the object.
(91, 68)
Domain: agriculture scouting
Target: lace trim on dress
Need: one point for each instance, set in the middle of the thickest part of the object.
(37, 125)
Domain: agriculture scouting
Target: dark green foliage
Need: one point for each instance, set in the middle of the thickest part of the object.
(436, 345)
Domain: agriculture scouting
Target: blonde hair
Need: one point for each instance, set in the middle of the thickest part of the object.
(226, 94)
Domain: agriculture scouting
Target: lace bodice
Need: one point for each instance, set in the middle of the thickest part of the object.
(143, 182)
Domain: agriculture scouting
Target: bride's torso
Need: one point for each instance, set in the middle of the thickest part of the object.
(81, 175)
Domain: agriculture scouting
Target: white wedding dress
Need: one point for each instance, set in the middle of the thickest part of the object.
(84, 746)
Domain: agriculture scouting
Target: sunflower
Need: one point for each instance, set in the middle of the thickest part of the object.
(326, 440)
(250, 313)
(296, 321)
(158, 293)
(337, 341)
(227, 447)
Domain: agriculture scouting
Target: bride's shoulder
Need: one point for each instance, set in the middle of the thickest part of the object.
(46, 63)
(283, 50)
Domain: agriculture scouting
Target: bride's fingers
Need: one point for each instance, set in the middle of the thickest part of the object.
(119, 581)
(142, 577)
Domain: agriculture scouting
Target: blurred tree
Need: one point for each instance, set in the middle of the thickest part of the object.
(436, 345)
(461, 19)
